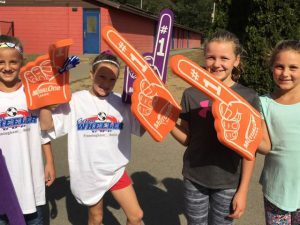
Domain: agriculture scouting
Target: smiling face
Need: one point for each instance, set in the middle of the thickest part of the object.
(220, 59)
(286, 70)
(10, 64)
(104, 79)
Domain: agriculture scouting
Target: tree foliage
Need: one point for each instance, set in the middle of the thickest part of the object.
(259, 24)
(193, 14)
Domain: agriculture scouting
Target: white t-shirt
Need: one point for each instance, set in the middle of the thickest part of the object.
(20, 141)
(99, 142)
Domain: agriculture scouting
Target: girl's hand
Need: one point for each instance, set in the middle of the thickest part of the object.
(50, 174)
(181, 133)
(238, 205)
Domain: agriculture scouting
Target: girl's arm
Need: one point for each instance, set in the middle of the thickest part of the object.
(46, 121)
(180, 132)
(240, 198)
(265, 144)
(49, 164)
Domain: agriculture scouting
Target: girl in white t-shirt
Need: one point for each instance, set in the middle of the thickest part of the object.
(20, 137)
(99, 127)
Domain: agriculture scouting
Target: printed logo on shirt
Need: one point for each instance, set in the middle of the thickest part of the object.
(100, 122)
(14, 118)
(204, 108)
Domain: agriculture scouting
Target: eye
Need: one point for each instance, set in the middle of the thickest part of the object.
(278, 67)
(224, 58)
(294, 68)
(14, 62)
(209, 57)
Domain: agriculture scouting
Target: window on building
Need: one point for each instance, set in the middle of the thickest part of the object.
(91, 24)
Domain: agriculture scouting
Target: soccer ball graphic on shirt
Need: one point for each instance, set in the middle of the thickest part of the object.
(11, 111)
(101, 116)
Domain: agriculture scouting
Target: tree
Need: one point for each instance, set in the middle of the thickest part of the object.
(259, 24)
(156, 6)
(221, 14)
(153, 7)
(193, 14)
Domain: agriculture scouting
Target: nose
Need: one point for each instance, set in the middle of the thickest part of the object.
(285, 71)
(6, 67)
(217, 63)
(105, 84)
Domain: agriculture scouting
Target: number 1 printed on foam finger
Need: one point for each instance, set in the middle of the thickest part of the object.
(158, 58)
(237, 123)
(162, 111)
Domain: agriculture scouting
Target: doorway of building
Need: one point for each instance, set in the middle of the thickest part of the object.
(91, 43)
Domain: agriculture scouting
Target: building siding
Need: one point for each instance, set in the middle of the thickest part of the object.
(194, 40)
(138, 31)
(37, 27)
(50, 3)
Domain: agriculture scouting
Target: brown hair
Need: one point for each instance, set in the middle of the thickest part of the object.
(106, 55)
(226, 36)
(11, 39)
(284, 45)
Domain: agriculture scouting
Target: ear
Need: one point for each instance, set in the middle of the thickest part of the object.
(237, 61)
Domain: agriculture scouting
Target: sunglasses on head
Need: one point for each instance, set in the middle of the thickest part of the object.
(10, 45)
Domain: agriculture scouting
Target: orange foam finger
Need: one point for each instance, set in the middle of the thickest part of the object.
(44, 85)
(160, 115)
(226, 105)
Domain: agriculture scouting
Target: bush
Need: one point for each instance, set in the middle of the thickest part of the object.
(259, 24)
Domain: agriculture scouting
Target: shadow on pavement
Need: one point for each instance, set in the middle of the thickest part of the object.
(77, 214)
(159, 206)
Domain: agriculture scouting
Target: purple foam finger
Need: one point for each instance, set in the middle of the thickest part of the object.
(9, 203)
(163, 42)
(129, 77)
(158, 59)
